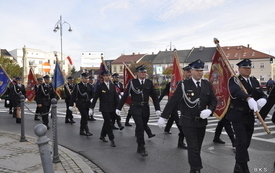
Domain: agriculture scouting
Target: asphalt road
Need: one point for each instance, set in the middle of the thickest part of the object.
(163, 157)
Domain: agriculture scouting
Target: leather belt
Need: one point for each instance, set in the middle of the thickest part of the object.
(139, 103)
(192, 118)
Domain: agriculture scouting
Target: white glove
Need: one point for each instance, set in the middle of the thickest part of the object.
(91, 111)
(118, 112)
(161, 122)
(205, 113)
(261, 102)
(158, 113)
(26, 100)
(71, 108)
(8, 102)
(252, 104)
(119, 96)
(122, 93)
(91, 100)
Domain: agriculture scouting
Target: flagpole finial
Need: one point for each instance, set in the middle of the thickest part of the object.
(216, 41)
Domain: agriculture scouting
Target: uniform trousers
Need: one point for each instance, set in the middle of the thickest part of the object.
(141, 126)
(45, 114)
(243, 133)
(107, 127)
(83, 107)
(69, 114)
(194, 137)
(174, 117)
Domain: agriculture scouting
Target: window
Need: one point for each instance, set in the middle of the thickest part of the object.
(120, 68)
(40, 62)
(262, 78)
(252, 65)
(206, 67)
(262, 65)
(114, 68)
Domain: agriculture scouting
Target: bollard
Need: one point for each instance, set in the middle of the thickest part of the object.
(45, 153)
(55, 139)
(22, 104)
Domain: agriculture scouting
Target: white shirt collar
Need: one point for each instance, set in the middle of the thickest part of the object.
(195, 81)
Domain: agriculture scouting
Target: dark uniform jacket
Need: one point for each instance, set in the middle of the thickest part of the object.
(119, 87)
(45, 94)
(81, 93)
(140, 97)
(108, 97)
(68, 89)
(239, 109)
(15, 92)
(190, 112)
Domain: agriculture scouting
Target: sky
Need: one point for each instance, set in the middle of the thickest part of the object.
(118, 27)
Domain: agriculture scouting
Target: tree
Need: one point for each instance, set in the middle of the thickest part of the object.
(168, 71)
(73, 70)
(11, 67)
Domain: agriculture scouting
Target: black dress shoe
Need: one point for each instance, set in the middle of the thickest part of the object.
(103, 139)
(128, 124)
(36, 119)
(182, 145)
(113, 143)
(89, 134)
(10, 112)
(67, 121)
(142, 151)
(151, 135)
(72, 121)
(48, 127)
(115, 128)
(121, 128)
(219, 141)
(82, 133)
(167, 132)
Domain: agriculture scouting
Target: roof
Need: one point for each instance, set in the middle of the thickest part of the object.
(242, 52)
(5, 53)
(203, 53)
(164, 57)
(128, 58)
(148, 58)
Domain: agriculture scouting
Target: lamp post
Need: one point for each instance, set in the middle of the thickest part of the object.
(59, 26)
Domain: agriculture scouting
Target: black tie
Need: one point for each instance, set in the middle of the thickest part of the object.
(199, 87)
(248, 82)
(142, 83)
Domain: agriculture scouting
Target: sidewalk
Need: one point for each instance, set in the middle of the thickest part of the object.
(24, 157)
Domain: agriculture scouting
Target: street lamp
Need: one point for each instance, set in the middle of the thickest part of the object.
(59, 26)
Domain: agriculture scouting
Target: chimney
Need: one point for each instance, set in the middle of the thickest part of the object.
(201, 48)
(247, 45)
(152, 53)
(133, 53)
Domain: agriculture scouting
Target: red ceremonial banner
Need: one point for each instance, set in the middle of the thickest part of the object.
(176, 74)
(127, 76)
(30, 92)
(219, 77)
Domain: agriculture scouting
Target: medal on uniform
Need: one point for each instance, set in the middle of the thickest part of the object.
(103, 91)
(192, 94)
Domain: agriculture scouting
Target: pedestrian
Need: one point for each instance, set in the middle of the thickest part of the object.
(226, 124)
(140, 89)
(82, 95)
(68, 89)
(91, 82)
(243, 104)
(106, 92)
(174, 115)
(43, 99)
(16, 91)
(10, 101)
(119, 90)
(269, 85)
(197, 103)
(38, 110)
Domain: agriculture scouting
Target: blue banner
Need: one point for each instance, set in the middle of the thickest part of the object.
(4, 81)
(58, 79)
